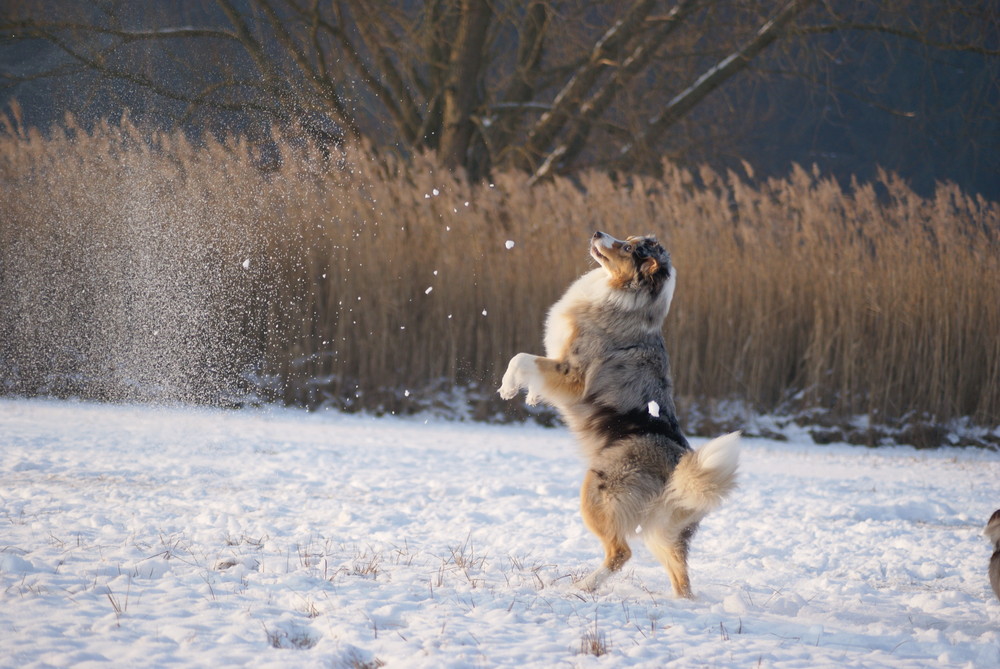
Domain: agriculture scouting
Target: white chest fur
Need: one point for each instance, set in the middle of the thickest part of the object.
(595, 288)
(560, 323)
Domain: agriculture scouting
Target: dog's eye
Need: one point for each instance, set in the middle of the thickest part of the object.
(627, 248)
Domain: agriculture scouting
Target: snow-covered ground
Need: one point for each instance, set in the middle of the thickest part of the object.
(138, 536)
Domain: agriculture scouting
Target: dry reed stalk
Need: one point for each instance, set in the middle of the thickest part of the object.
(137, 265)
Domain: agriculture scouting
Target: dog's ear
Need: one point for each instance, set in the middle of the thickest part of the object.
(649, 266)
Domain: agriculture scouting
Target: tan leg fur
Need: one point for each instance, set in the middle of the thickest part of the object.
(599, 518)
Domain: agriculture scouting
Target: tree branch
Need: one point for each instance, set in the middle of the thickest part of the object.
(32, 28)
(736, 62)
(97, 63)
(531, 41)
(597, 104)
(600, 58)
(911, 35)
(350, 52)
(408, 118)
(321, 85)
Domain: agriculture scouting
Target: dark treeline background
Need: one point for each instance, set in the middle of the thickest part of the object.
(911, 86)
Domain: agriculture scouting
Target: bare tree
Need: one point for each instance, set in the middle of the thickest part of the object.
(545, 86)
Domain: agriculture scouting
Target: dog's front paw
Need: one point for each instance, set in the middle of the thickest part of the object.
(512, 378)
(507, 392)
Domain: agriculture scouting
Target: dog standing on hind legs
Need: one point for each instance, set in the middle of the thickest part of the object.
(607, 372)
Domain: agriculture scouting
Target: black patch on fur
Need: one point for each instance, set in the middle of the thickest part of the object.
(685, 539)
(614, 425)
(689, 531)
(995, 518)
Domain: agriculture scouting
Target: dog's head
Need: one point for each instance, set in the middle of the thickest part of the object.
(636, 263)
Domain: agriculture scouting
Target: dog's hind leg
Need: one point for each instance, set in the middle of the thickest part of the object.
(599, 515)
(671, 549)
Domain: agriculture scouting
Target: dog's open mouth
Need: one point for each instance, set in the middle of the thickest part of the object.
(598, 256)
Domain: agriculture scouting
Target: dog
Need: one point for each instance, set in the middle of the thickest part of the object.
(607, 372)
(992, 533)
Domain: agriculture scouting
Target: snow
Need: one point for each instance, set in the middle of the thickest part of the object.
(141, 536)
(654, 409)
(509, 244)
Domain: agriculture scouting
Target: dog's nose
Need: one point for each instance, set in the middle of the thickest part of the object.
(598, 234)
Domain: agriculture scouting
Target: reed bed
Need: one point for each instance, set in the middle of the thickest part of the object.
(139, 266)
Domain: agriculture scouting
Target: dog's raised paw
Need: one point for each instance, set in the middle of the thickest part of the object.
(512, 379)
(509, 386)
(507, 392)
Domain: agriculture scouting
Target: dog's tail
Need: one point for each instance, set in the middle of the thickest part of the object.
(704, 477)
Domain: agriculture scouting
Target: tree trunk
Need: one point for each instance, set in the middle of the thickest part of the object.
(462, 91)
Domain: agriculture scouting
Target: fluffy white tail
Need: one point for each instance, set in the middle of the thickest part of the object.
(704, 477)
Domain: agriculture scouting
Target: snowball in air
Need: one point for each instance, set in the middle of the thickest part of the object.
(509, 244)
(654, 409)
